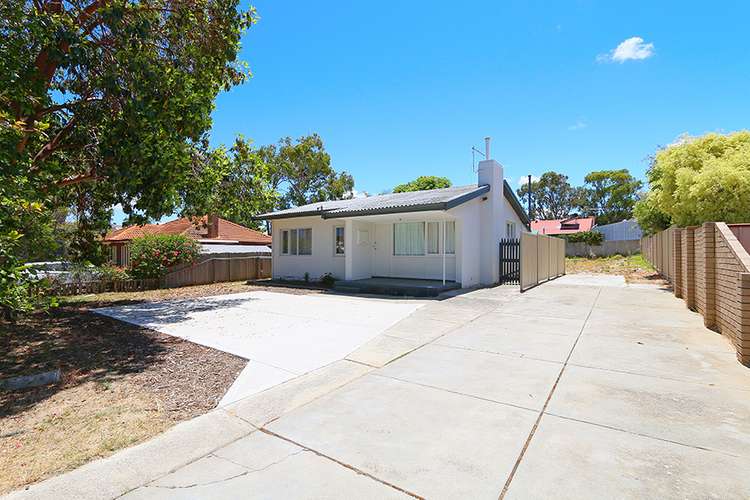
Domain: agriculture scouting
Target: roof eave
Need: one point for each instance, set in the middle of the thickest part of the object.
(426, 207)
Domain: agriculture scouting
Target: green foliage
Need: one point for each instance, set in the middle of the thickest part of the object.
(649, 215)
(20, 289)
(151, 256)
(327, 280)
(552, 196)
(701, 179)
(107, 103)
(302, 172)
(610, 195)
(423, 183)
(109, 272)
(593, 238)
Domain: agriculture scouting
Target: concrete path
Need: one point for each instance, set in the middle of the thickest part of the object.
(283, 335)
(576, 389)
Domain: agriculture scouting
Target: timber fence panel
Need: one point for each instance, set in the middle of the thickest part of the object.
(218, 270)
(542, 259)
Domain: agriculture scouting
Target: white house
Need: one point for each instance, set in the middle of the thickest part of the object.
(450, 234)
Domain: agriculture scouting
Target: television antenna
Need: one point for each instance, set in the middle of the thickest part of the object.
(474, 152)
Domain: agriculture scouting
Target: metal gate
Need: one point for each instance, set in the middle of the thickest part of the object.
(510, 261)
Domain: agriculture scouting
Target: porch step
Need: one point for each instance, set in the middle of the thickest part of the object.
(395, 287)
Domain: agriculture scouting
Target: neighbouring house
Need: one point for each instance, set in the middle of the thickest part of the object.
(214, 234)
(625, 230)
(451, 234)
(563, 226)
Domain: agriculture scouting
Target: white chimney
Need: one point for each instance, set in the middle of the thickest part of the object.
(491, 216)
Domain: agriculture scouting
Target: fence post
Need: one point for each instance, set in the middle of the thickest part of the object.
(688, 263)
(709, 241)
(677, 262)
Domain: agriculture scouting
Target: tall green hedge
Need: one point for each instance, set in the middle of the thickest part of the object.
(152, 256)
(593, 238)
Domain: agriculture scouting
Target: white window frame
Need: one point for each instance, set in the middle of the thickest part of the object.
(294, 249)
(445, 225)
(335, 238)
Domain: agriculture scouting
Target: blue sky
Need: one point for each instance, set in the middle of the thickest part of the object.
(402, 89)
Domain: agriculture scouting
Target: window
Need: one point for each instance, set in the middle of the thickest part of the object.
(293, 242)
(510, 229)
(433, 237)
(305, 241)
(408, 238)
(296, 242)
(285, 242)
(338, 241)
(450, 237)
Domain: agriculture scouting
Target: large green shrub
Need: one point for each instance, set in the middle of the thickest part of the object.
(593, 238)
(152, 256)
(696, 180)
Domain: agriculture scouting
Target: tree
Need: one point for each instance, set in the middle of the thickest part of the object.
(609, 195)
(552, 196)
(302, 172)
(700, 179)
(650, 217)
(109, 102)
(423, 183)
(245, 188)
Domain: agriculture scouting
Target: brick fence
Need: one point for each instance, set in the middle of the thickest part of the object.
(709, 269)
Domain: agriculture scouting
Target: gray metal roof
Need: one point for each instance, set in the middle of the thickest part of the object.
(414, 201)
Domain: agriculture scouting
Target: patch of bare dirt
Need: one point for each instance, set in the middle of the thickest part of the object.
(121, 384)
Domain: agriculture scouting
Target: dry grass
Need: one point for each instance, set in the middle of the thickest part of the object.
(634, 267)
(121, 384)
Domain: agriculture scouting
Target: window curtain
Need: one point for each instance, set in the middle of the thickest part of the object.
(433, 237)
(408, 238)
(450, 237)
(293, 241)
(284, 241)
(305, 241)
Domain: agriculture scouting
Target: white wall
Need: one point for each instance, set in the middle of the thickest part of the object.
(322, 259)
(491, 220)
(467, 242)
(510, 215)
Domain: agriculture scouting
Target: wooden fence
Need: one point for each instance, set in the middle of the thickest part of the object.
(709, 268)
(217, 270)
(86, 287)
(542, 259)
(212, 270)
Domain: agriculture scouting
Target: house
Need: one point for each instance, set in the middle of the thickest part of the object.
(215, 235)
(563, 226)
(450, 234)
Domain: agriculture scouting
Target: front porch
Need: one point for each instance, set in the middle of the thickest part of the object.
(408, 287)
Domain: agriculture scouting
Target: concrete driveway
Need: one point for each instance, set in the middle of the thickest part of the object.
(580, 388)
(282, 335)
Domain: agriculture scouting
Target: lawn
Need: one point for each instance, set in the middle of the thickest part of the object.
(634, 267)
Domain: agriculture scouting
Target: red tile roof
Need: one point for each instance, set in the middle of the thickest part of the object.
(196, 228)
(563, 226)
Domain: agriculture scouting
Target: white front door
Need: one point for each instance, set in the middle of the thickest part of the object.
(382, 246)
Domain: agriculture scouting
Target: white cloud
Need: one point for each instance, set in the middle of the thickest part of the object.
(632, 49)
(578, 125)
(524, 179)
